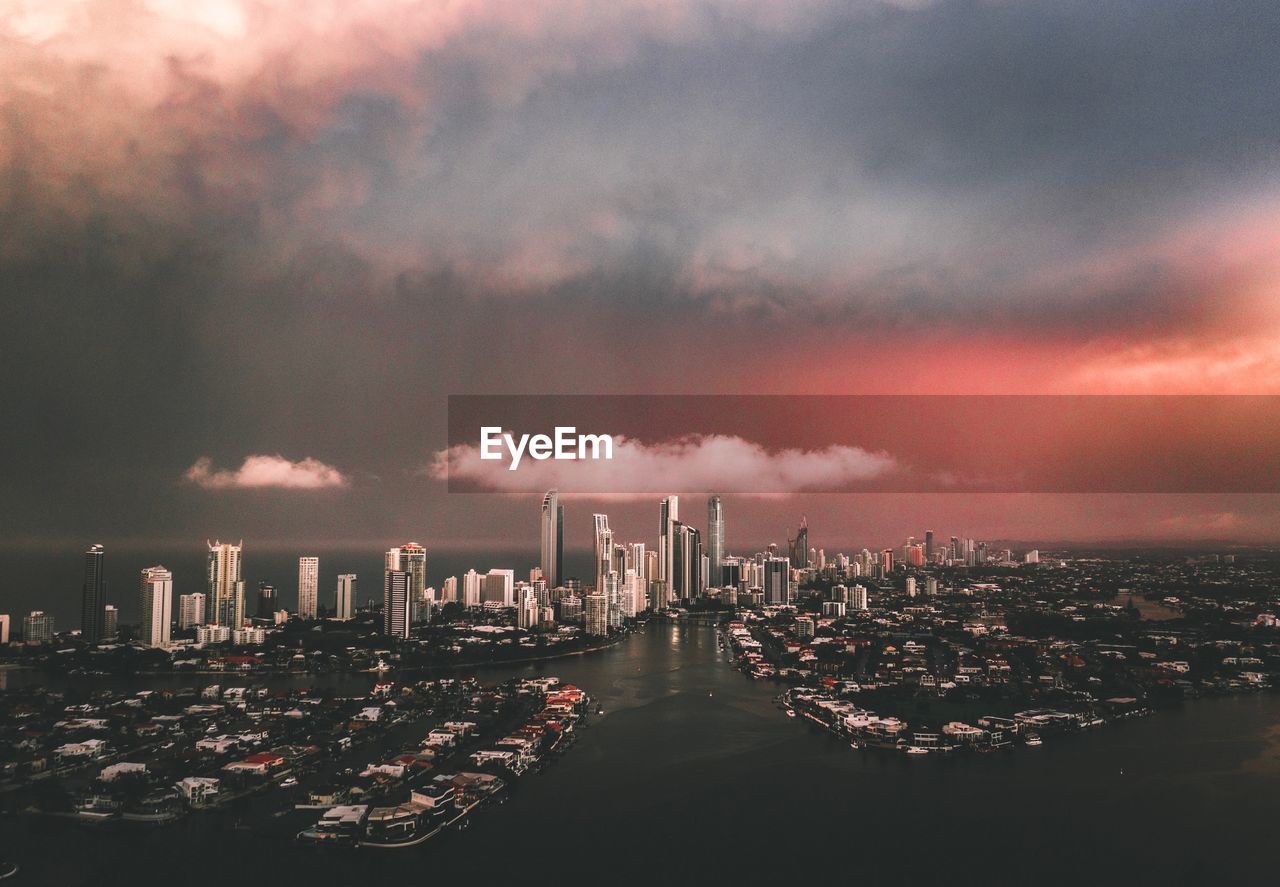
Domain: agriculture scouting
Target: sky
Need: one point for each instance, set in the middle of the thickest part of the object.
(250, 248)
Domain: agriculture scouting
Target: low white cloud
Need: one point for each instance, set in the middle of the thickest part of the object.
(695, 463)
(260, 472)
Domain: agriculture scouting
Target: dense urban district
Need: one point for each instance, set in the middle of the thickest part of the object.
(934, 648)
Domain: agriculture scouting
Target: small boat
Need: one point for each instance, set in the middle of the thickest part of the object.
(1033, 739)
(916, 750)
(791, 713)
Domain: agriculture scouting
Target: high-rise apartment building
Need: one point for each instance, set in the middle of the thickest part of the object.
(449, 590)
(498, 588)
(37, 628)
(527, 608)
(632, 594)
(471, 590)
(93, 595)
(268, 600)
(686, 562)
(344, 605)
(397, 585)
(226, 588)
(308, 587)
(156, 600)
(191, 610)
(776, 579)
(603, 550)
(596, 613)
(411, 558)
(858, 597)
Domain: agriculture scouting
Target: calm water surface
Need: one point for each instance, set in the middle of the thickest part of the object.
(693, 776)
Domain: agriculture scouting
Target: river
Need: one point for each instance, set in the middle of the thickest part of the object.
(693, 776)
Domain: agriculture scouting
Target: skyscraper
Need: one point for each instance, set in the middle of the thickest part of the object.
(527, 608)
(449, 590)
(411, 558)
(190, 610)
(226, 590)
(668, 517)
(776, 579)
(308, 587)
(93, 595)
(858, 597)
(799, 546)
(110, 622)
(632, 594)
(395, 603)
(613, 593)
(928, 545)
(498, 588)
(686, 561)
(38, 627)
(157, 607)
(268, 600)
(715, 538)
(603, 550)
(471, 589)
(552, 538)
(4, 628)
(596, 612)
(345, 602)
(637, 562)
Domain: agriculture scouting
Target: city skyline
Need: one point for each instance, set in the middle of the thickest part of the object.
(593, 564)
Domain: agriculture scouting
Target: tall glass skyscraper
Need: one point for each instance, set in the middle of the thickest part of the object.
(668, 517)
(92, 600)
(799, 546)
(715, 539)
(552, 538)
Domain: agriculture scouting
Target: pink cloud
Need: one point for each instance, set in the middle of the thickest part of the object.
(689, 464)
(260, 472)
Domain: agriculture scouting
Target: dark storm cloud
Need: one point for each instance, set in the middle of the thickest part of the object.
(291, 232)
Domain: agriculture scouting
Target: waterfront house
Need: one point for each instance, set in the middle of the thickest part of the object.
(258, 764)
